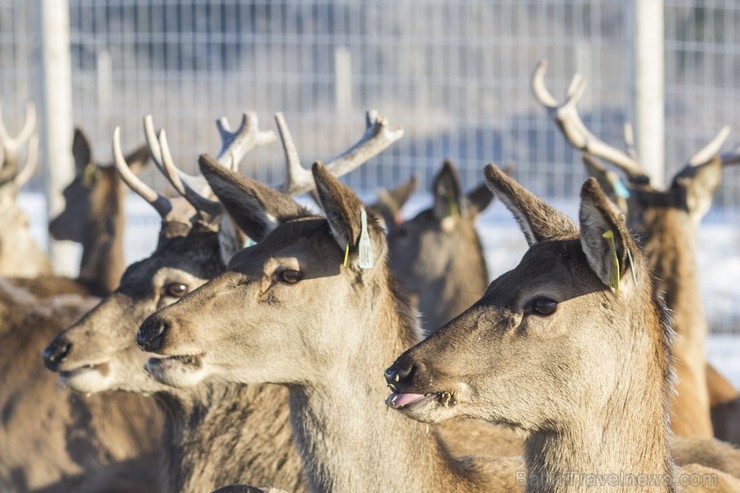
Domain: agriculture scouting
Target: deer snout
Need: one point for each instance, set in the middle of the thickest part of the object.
(400, 372)
(55, 352)
(151, 333)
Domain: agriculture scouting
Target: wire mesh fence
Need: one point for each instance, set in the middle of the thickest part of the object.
(455, 75)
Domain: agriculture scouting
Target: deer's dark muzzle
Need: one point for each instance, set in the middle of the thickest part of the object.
(401, 372)
(55, 352)
(151, 333)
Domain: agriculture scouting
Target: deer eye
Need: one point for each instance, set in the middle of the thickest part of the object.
(542, 306)
(176, 289)
(290, 276)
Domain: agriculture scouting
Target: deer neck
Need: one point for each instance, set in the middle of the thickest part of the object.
(217, 434)
(464, 282)
(102, 260)
(612, 444)
(347, 437)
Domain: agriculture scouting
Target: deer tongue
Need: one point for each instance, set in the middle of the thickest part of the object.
(401, 400)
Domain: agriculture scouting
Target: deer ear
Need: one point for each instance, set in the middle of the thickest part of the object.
(478, 200)
(605, 239)
(81, 151)
(700, 183)
(537, 220)
(138, 159)
(256, 208)
(390, 202)
(344, 212)
(447, 192)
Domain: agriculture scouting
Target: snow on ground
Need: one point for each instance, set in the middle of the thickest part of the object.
(718, 259)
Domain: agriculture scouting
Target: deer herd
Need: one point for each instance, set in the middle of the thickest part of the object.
(349, 350)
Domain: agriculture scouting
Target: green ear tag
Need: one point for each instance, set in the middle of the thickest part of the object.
(365, 247)
(454, 210)
(614, 276)
(346, 255)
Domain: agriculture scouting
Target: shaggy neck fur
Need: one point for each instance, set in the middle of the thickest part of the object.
(670, 244)
(625, 439)
(349, 440)
(219, 434)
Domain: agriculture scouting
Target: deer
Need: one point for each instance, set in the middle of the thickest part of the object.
(94, 215)
(666, 221)
(217, 433)
(308, 338)
(437, 255)
(572, 346)
(20, 255)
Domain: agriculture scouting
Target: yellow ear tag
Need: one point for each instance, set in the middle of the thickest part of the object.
(346, 255)
(614, 276)
(454, 210)
(88, 175)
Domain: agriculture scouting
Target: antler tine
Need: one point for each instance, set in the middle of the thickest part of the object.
(162, 205)
(295, 173)
(379, 134)
(234, 145)
(32, 157)
(152, 143)
(11, 145)
(569, 121)
(711, 149)
(175, 176)
(629, 140)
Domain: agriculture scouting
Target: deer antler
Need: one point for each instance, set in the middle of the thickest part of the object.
(711, 149)
(569, 121)
(234, 146)
(162, 205)
(11, 145)
(379, 134)
(32, 158)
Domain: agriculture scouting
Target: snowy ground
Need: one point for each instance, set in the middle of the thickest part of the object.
(719, 261)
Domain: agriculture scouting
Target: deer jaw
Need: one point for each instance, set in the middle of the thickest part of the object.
(101, 354)
(249, 326)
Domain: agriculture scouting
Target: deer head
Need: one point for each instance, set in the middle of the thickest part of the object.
(437, 255)
(285, 304)
(542, 333)
(20, 256)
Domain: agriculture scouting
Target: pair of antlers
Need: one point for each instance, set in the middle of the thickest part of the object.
(569, 122)
(379, 134)
(9, 147)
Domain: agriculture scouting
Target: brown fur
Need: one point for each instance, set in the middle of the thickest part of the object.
(53, 439)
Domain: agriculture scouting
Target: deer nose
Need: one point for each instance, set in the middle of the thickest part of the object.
(151, 333)
(401, 371)
(55, 352)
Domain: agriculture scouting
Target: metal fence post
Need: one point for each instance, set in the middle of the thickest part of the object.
(56, 118)
(649, 86)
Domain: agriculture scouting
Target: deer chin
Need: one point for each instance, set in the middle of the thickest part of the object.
(431, 407)
(89, 378)
(182, 370)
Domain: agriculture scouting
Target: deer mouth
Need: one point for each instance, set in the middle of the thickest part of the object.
(102, 368)
(418, 404)
(180, 370)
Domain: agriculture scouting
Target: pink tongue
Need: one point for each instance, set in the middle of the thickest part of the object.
(402, 400)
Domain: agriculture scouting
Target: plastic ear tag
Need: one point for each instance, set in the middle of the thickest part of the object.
(620, 189)
(454, 210)
(614, 275)
(248, 242)
(88, 176)
(346, 255)
(365, 247)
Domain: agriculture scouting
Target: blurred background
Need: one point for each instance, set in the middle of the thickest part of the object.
(454, 74)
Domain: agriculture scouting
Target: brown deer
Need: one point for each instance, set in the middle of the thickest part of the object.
(667, 224)
(298, 309)
(20, 255)
(437, 255)
(573, 346)
(218, 433)
(94, 216)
